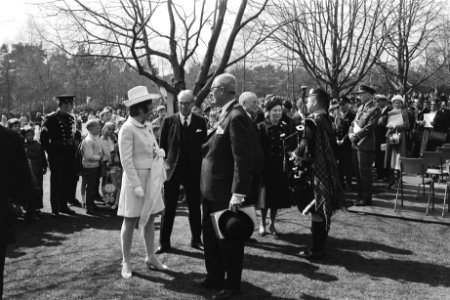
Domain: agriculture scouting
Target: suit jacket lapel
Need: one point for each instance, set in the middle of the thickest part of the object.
(220, 122)
(178, 128)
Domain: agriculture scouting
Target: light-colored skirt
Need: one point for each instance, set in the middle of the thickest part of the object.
(131, 206)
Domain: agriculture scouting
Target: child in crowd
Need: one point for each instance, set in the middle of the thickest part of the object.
(38, 164)
(92, 158)
(109, 145)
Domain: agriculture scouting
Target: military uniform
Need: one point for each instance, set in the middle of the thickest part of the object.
(364, 145)
(58, 138)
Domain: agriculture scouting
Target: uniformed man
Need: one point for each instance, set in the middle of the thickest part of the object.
(362, 136)
(344, 146)
(58, 139)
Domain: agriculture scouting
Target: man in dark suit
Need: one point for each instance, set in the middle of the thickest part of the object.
(362, 136)
(344, 147)
(15, 188)
(182, 136)
(229, 167)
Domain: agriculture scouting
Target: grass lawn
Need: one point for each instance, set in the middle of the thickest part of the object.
(368, 258)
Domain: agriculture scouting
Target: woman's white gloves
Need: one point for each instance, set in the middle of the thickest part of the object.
(161, 153)
(139, 192)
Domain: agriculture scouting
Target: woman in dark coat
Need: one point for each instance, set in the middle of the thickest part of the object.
(275, 188)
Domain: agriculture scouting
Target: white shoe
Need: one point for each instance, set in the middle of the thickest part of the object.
(126, 271)
(155, 264)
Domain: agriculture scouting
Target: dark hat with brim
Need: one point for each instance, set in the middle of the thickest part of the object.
(365, 89)
(65, 98)
(236, 226)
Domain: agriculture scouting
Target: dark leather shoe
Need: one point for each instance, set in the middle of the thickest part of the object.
(163, 249)
(208, 284)
(308, 254)
(225, 294)
(68, 211)
(197, 245)
(75, 202)
(55, 214)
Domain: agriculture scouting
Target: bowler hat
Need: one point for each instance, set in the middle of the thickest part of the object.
(237, 226)
(65, 98)
(139, 94)
(365, 89)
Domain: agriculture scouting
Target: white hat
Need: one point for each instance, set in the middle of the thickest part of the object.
(397, 98)
(139, 94)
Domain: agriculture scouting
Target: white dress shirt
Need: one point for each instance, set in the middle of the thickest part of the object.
(188, 119)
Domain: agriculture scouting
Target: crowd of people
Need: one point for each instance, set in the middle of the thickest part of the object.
(241, 151)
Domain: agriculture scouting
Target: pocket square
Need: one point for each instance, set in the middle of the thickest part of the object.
(198, 130)
(219, 130)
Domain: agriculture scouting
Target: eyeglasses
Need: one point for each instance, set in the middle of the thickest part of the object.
(215, 88)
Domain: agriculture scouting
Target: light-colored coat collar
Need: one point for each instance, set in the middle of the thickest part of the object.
(136, 123)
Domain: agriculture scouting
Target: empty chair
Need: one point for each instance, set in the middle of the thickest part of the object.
(412, 171)
(433, 163)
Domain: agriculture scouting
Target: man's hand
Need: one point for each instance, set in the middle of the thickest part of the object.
(139, 192)
(236, 202)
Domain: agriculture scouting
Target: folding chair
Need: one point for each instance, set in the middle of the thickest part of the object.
(433, 163)
(443, 149)
(447, 189)
(445, 155)
(415, 168)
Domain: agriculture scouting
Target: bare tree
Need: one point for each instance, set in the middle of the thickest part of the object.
(337, 41)
(416, 25)
(127, 30)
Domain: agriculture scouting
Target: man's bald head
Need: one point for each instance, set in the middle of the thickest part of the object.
(249, 102)
(223, 89)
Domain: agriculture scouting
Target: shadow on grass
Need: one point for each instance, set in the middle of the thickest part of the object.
(271, 265)
(49, 231)
(347, 253)
(185, 283)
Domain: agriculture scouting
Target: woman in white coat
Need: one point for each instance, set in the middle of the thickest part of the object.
(143, 174)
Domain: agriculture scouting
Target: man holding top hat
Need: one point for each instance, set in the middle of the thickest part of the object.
(58, 138)
(362, 136)
(228, 168)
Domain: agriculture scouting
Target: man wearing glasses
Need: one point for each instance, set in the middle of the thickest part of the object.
(229, 167)
(362, 136)
(182, 136)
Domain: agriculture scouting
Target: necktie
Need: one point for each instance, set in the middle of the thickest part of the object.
(185, 124)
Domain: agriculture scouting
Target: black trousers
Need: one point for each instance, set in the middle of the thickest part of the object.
(61, 182)
(2, 266)
(363, 161)
(92, 178)
(171, 193)
(221, 256)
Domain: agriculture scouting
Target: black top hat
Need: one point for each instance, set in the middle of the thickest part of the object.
(65, 98)
(237, 226)
(365, 89)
